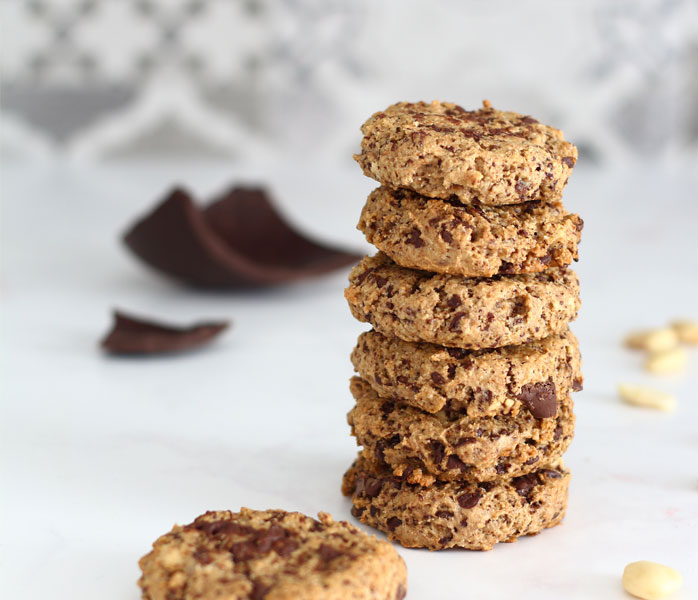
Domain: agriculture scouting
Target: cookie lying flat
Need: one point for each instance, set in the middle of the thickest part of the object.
(270, 554)
(477, 382)
(441, 150)
(473, 241)
(457, 515)
(453, 447)
(461, 312)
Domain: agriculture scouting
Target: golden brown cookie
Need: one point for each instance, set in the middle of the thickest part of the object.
(445, 236)
(273, 554)
(451, 446)
(489, 156)
(479, 383)
(457, 515)
(461, 312)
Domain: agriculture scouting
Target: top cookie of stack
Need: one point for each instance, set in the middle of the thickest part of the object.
(486, 156)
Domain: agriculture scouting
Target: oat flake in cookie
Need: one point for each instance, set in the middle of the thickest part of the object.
(444, 515)
(272, 555)
(489, 156)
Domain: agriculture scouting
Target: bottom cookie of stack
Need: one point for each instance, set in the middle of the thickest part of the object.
(443, 515)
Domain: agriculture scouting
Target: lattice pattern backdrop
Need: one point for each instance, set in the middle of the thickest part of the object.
(252, 79)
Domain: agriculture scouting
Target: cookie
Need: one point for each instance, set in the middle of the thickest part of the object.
(457, 515)
(451, 446)
(270, 554)
(446, 236)
(478, 383)
(460, 312)
(489, 156)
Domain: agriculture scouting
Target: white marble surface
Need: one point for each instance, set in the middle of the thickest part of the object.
(101, 455)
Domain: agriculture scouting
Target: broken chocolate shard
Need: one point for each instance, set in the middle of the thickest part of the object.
(132, 335)
(237, 241)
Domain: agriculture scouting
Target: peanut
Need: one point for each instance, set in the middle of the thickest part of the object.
(650, 580)
(670, 361)
(640, 395)
(653, 340)
(687, 331)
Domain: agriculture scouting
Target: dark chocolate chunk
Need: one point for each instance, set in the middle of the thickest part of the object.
(437, 451)
(437, 378)
(454, 301)
(393, 523)
(569, 161)
(328, 553)
(458, 353)
(454, 462)
(455, 321)
(577, 385)
(131, 335)
(540, 398)
(521, 188)
(238, 241)
(445, 235)
(469, 500)
(415, 238)
(465, 440)
(393, 440)
(524, 484)
(372, 487)
(259, 590)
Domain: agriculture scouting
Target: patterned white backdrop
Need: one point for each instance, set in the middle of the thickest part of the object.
(254, 79)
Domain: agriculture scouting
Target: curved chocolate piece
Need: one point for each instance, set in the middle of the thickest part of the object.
(237, 241)
(131, 335)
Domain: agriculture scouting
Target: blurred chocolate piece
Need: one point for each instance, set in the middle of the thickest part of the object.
(237, 241)
(131, 335)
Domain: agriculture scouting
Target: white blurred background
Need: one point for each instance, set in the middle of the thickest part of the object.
(248, 80)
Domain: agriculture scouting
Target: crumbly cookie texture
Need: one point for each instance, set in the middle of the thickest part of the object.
(271, 554)
(454, 447)
(478, 383)
(488, 156)
(445, 236)
(475, 516)
(461, 312)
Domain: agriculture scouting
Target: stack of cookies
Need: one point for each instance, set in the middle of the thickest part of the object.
(463, 400)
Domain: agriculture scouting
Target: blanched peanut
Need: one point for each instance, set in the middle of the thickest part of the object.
(640, 395)
(670, 361)
(687, 331)
(650, 580)
(653, 340)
